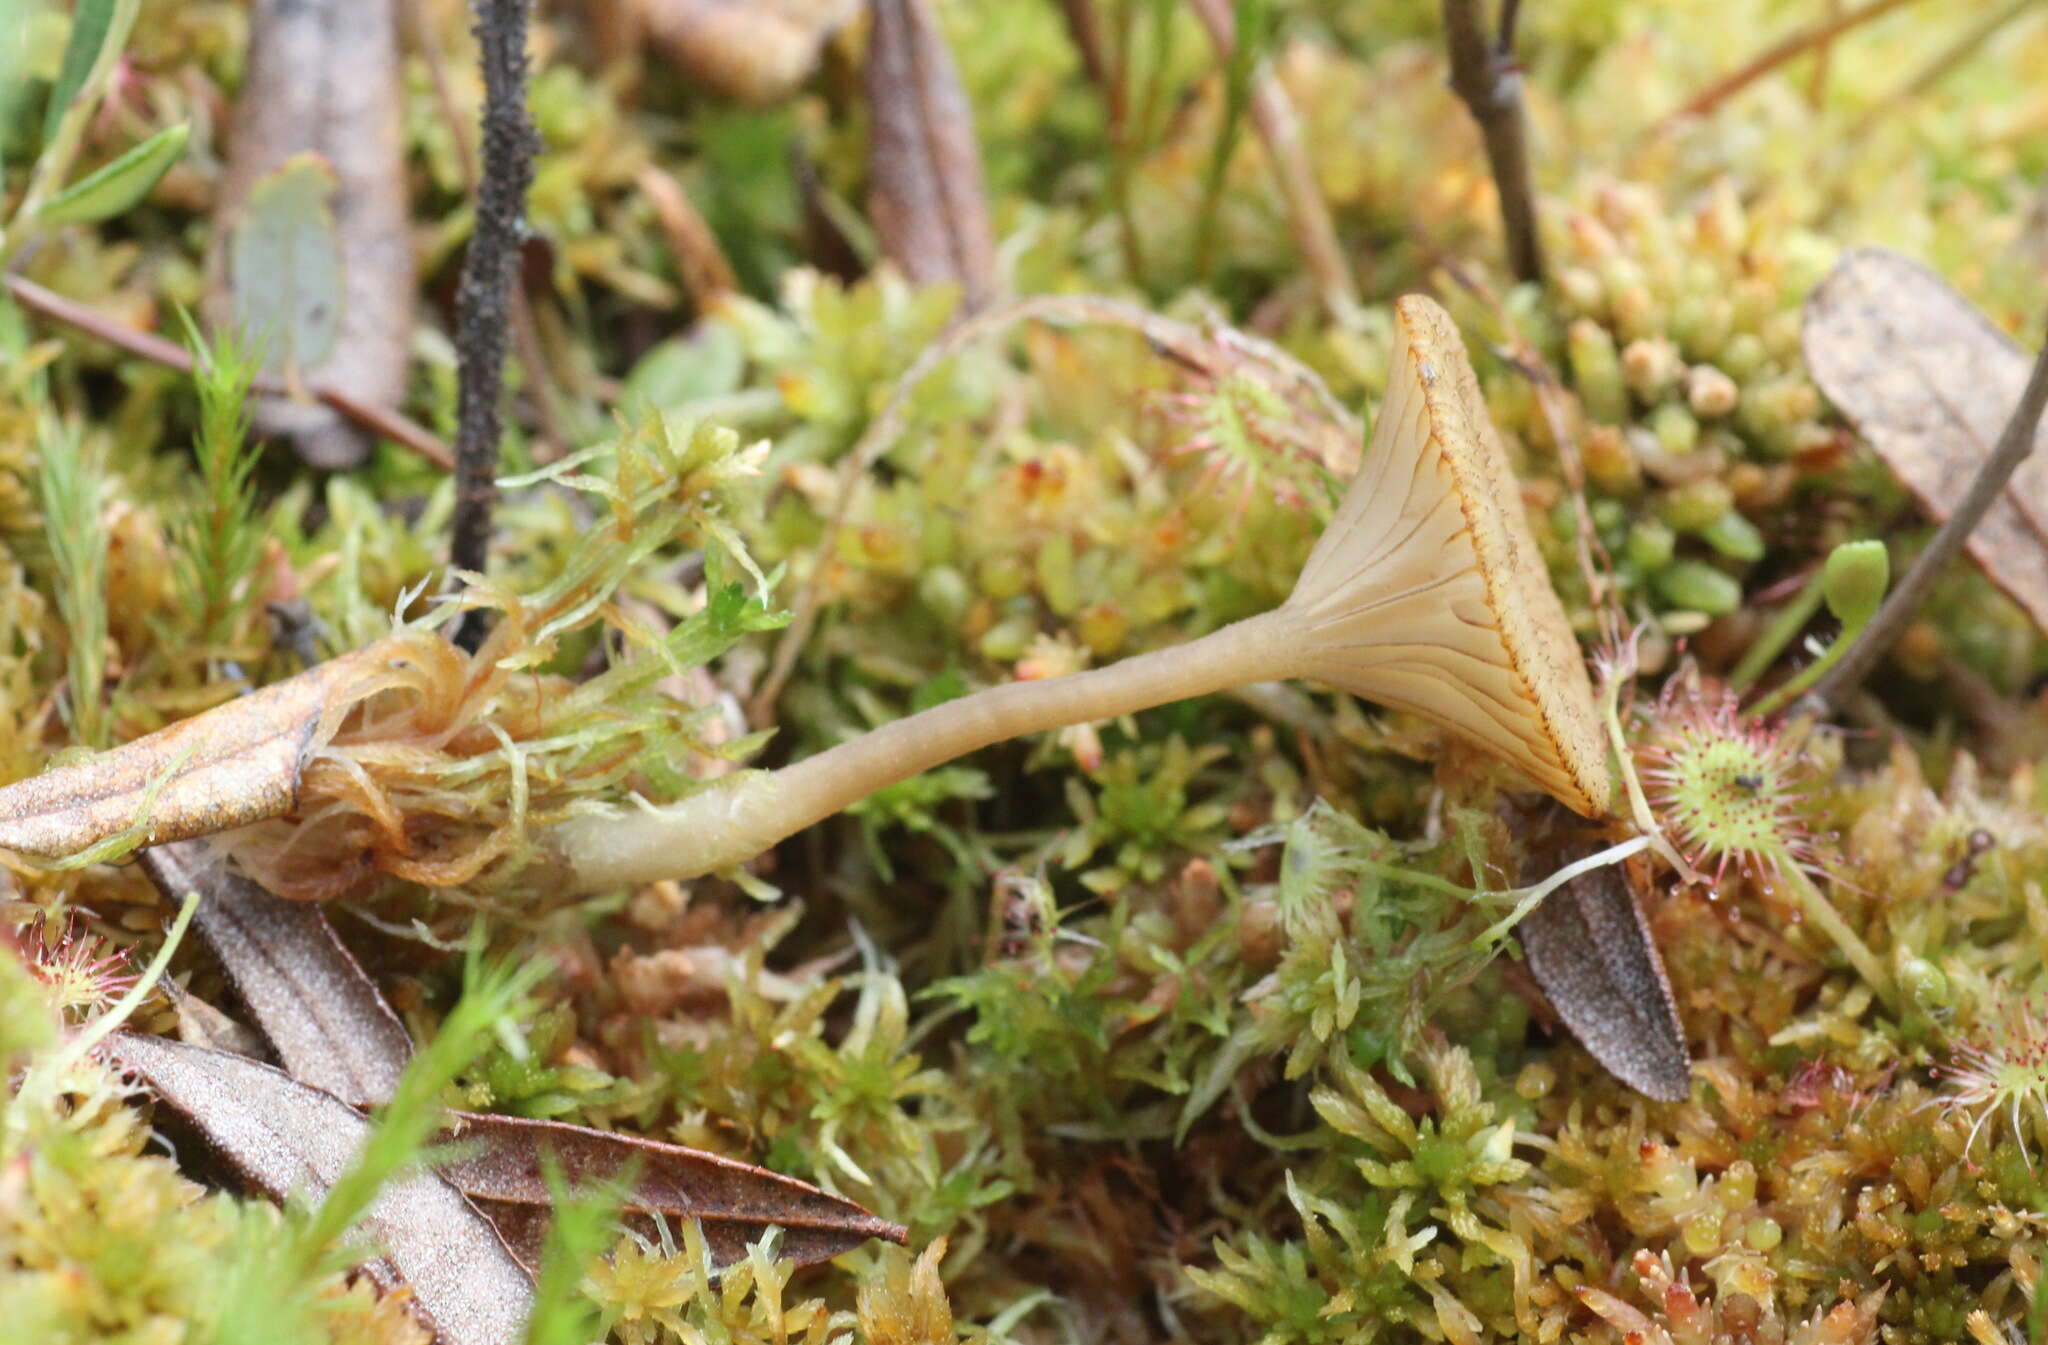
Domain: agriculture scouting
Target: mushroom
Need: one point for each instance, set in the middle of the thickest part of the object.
(1426, 593)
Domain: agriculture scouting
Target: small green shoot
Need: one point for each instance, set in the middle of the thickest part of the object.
(220, 543)
(581, 1231)
(71, 483)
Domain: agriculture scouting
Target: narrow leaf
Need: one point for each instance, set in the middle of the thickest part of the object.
(231, 766)
(1929, 382)
(289, 1139)
(329, 1025)
(503, 1160)
(114, 187)
(90, 23)
(924, 165)
(1591, 951)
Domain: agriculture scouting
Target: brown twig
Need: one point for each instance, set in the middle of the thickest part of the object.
(1943, 64)
(1174, 340)
(2015, 442)
(1309, 215)
(149, 346)
(1792, 47)
(1486, 77)
(1084, 25)
(483, 301)
(700, 263)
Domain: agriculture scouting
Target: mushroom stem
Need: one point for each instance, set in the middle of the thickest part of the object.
(746, 814)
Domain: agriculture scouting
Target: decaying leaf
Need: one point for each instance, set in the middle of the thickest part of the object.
(231, 766)
(290, 1139)
(500, 1168)
(333, 1030)
(1929, 382)
(313, 1002)
(755, 51)
(324, 78)
(1591, 951)
(924, 165)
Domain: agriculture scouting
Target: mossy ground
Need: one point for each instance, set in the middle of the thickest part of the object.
(1160, 1046)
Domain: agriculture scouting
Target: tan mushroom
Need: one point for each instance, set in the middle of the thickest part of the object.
(1426, 593)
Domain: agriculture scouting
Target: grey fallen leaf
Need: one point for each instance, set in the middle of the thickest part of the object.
(924, 165)
(1591, 951)
(289, 1139)
(324, 76)
(1928, 381)
(310, 998)
(334, 1031)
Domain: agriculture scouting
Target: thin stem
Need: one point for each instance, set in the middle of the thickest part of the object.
(2015, 442)
(1273, 115)
(738, 819)
(1484, 74)
(1764, 62)
(1084, 25)
(525, 331)
(142, 989)
(1789, 621)
(1817, 908)
(147, 345)
(1529, 898)
(1943, 65)
(490, 270)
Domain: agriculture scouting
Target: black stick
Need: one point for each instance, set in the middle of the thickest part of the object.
(1485, 76)
(483, 303)
(2015, 441)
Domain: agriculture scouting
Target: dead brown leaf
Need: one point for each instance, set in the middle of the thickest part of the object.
(924, 167)
(754, 51)
(329, 1025)
(334, 1031)
(1591, 951)
(734, 1202)
(1929, 383)
(290, 1139)
(236, 764)
(324, 77)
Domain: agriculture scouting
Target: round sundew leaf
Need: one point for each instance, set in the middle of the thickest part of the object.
(285, 265)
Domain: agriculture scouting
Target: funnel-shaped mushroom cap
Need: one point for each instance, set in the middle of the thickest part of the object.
(1427, 592)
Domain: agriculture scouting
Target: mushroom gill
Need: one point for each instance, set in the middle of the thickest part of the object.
(1427, 592)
